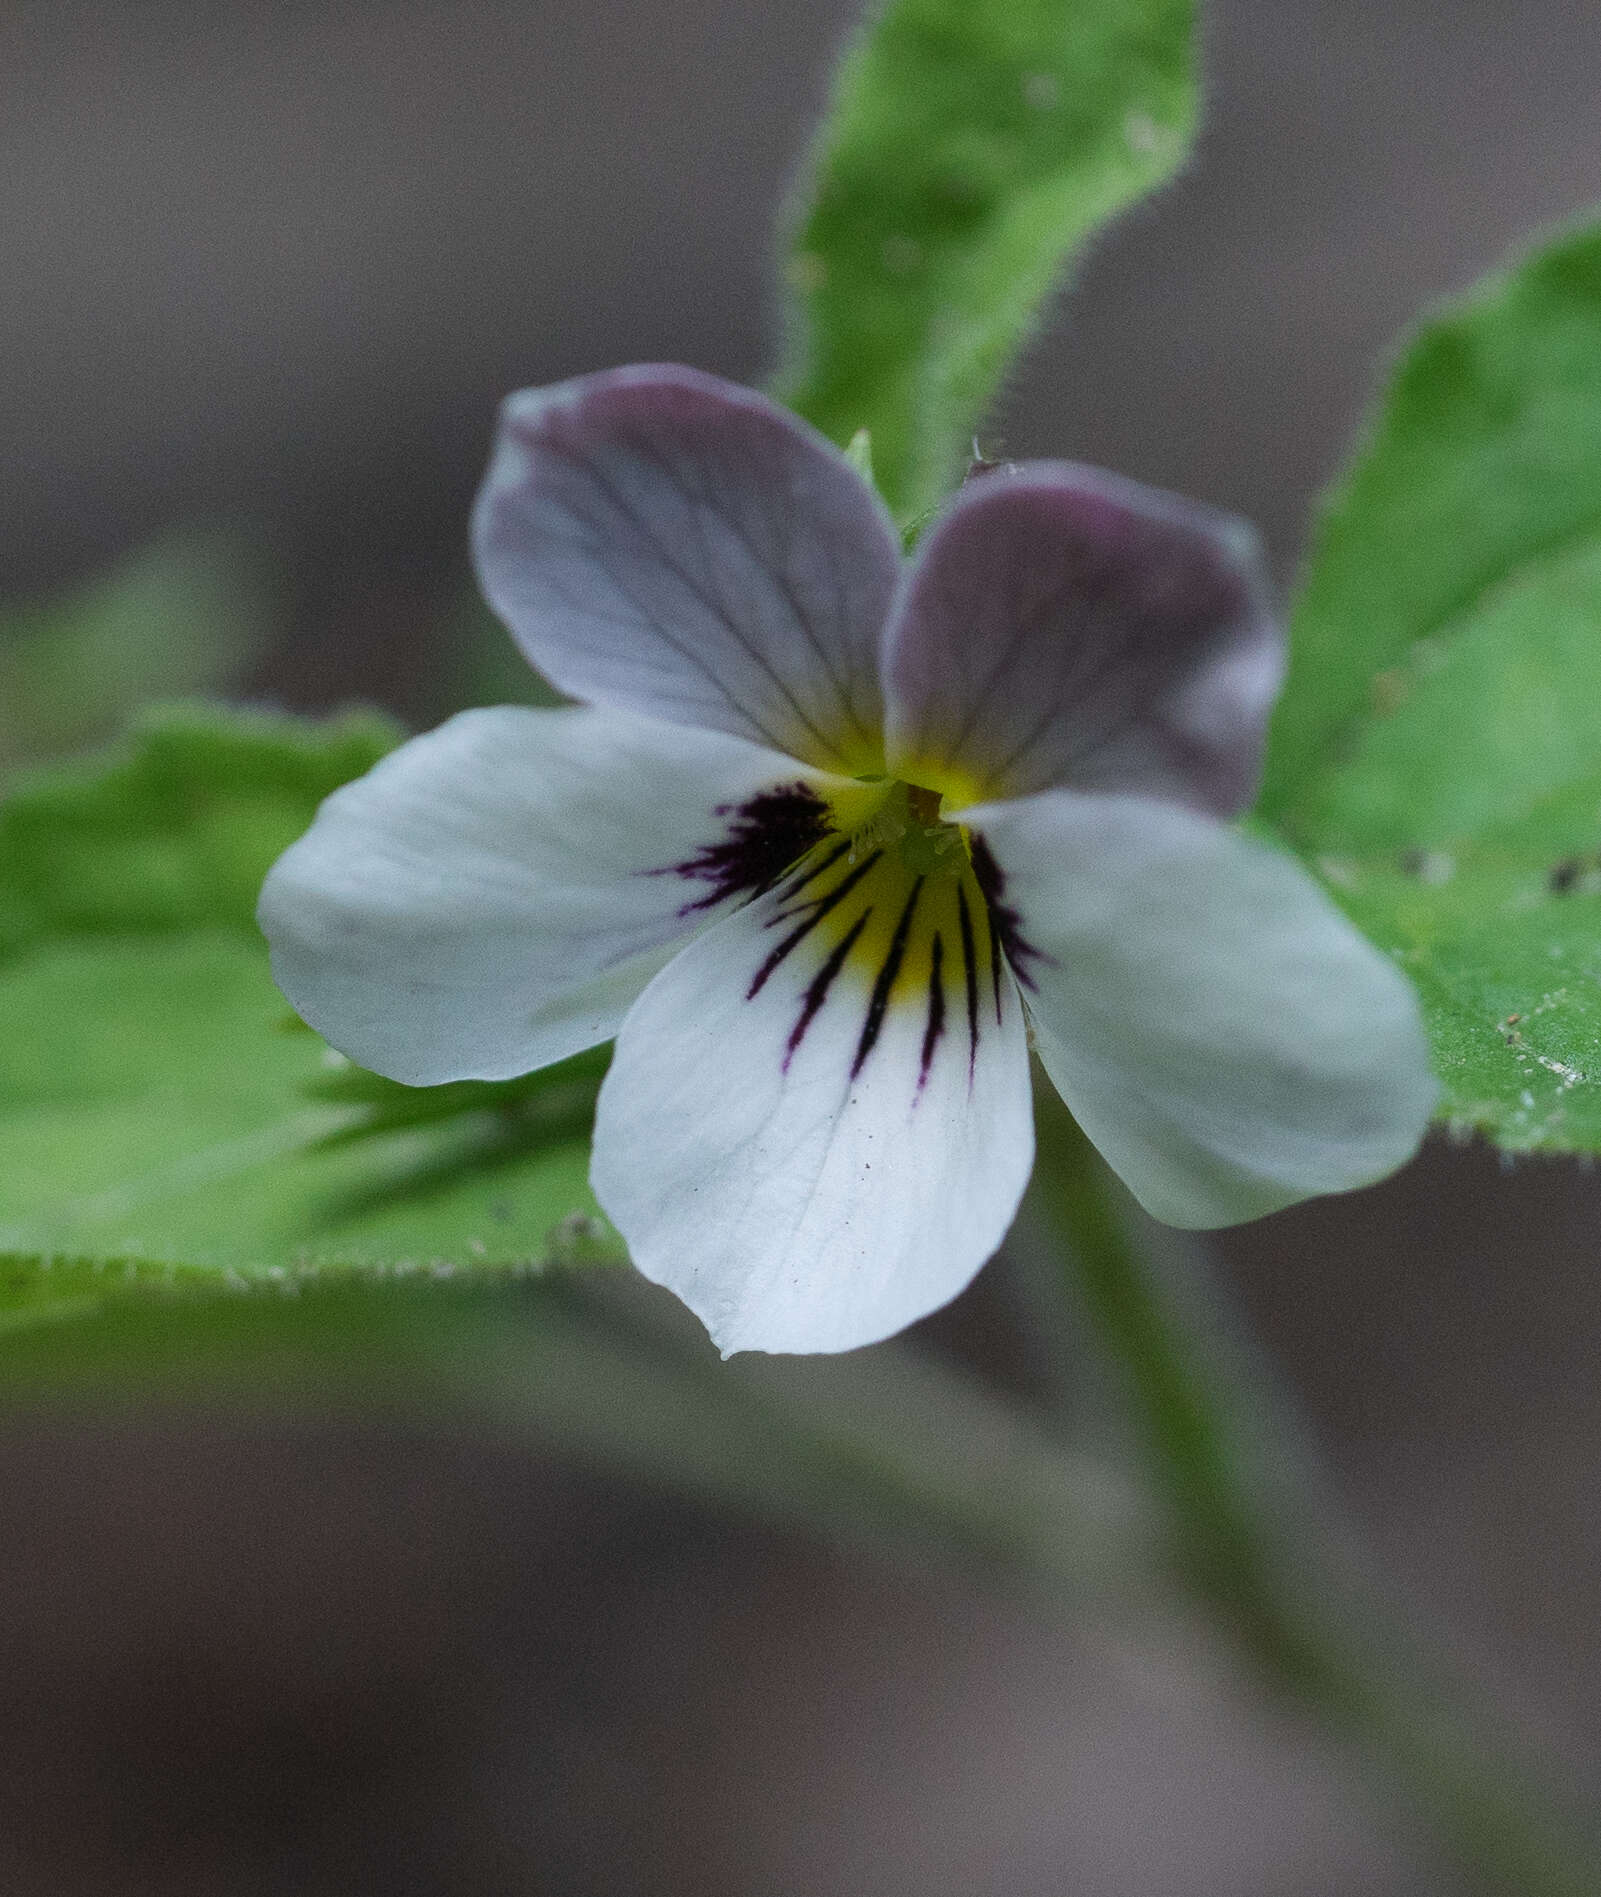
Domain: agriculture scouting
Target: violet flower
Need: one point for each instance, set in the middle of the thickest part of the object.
(830, 838)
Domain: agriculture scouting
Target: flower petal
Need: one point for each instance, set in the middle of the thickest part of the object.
(815, 1145)
(662, 541)
(1063, 628)
(493, 896)
(1225, 1037)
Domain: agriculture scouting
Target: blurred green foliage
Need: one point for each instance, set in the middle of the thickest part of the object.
(484, 665)
(188, 614)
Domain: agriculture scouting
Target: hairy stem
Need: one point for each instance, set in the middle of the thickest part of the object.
(1256, 1559)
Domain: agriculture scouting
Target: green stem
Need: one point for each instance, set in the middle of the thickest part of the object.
(1258, 1563)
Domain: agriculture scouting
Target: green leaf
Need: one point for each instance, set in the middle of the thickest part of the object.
(1437, 752)
(972, 148)
(1454, 577)
(165, 1117)
(157, 1107)
(1508, 973)
(184, 615)
(176, 828)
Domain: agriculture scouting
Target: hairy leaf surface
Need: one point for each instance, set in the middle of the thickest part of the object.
(972, 149)
(1437, 752)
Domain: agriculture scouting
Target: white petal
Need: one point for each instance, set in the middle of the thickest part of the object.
(802, 1179)
(669, 543)
(493, 896)
(1225, 1037)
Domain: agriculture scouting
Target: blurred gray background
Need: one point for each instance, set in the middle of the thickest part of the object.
(272, 264)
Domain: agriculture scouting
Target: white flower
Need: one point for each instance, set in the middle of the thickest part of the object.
(830, 834)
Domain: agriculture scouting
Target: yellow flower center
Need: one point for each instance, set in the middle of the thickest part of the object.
(903, 819)
(890, 903)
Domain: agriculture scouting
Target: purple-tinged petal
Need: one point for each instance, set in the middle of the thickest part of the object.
(668, 543)
(1064, 628)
